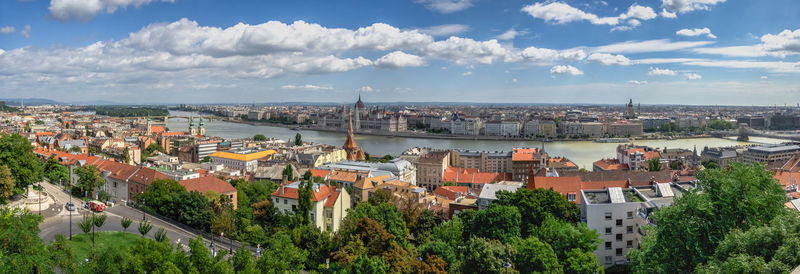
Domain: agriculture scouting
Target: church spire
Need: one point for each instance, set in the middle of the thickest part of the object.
(353, 151)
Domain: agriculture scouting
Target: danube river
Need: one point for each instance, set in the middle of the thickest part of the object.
(582, 153)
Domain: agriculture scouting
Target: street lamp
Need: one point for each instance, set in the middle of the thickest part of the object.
(143, 202)
(40, 198)
(70, 212)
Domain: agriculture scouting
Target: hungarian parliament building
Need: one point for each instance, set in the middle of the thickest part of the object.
(365, 119)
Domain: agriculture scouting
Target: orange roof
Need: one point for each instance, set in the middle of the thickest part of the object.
(44, 133)
(174, 133)
(208, 184)
(473, 176)
(572, 185)
(787, 178)
(332, 199)
(322, 173)
(451, 192)
(561, 161)
(610, 164)
(243, 156)
(524, 154)
(342, 176)
(652, 155)
(291, 193)
(157, 129)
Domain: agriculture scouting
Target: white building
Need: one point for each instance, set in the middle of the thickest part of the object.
(246, 160)
(329, 204)
(466, 126)
(502, 128)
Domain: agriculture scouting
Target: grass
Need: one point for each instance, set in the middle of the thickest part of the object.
(81, 244)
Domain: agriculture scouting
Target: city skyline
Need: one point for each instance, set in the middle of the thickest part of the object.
(536, 52)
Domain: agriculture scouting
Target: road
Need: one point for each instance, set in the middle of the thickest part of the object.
(57, 220)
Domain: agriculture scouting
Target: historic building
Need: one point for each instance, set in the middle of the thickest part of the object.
(354, 153)
(372, 119)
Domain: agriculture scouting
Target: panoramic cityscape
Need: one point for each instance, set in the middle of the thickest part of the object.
(418, 136)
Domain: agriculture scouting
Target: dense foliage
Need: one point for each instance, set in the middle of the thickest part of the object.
(16, 152)
(127, 111)
(713, 226)
(170, 199)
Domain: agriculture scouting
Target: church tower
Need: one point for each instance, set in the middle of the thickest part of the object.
(354, 153)
(202, 127)
(630, 113)
(360, 110)
(149, 126)
(192, 130)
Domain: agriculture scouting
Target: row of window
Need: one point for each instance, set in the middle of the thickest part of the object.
(610, 216)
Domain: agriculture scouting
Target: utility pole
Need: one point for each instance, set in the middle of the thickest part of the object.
(70, 212)
(40, 199)
(143, 214)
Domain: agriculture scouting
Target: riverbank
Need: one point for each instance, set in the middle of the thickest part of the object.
(425, 135)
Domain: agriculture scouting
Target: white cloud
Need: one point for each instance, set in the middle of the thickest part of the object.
(398, 59)
(514, 80)
(85, 10)
(466, 73)
(562, 13)
(306, 87)
(26, 31)
(666, 14)
(7, 29)
(637, 82)
(565, 69)
(693, 76)
(684, 6)
(651, 61)
(464, 50)
(510, 34)
(547, 56)
(696, 32)
(638, 12)
(778, 67)
(445, 30)
(365, 89)
(659, 45)
(609, 59)
(661, 72)
(734, 51)
(780, 45)
(446, 6)
(764, 77)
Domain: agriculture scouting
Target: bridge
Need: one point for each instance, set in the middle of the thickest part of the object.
(744, 132)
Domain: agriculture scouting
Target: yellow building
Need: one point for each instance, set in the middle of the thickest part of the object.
(246, 160)
(335, 156)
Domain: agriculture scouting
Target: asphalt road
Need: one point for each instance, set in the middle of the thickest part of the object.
(57, 220)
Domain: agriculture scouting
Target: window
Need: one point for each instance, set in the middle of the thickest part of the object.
(608, 231)
(629, 244)
(619, 252)
(619, 222)
(294, 207)
(608, 216)
(285, 201)
(571, 197)
(629, 229)
(630, 214)
(608, 245)
(619, 237)
(609, 259)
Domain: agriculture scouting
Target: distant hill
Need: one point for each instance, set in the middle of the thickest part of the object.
(29, 101)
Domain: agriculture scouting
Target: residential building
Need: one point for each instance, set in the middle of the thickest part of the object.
(612, 212)
(431, 167)
(329, 204)
(489, 192)
(624, 129)
(525, 159)
(466, 126)
(770, 154)
(244, 160)
(212, 185)
(487, 161)
(502, 128)
(402, 169)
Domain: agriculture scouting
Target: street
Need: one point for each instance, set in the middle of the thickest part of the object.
(57, 220)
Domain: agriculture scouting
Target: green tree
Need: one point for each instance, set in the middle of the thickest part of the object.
(99, 220)
(151, 149)
(126, 156)
(565, 237)
(7, 184)
(380, 196)
(21, 249)
(298, 139)
(581, 262)
(498, 222)
(709, 164)
(422, 228)
(654, 164)
(161, 235)
(304, 202)
(281, 255)
(362, 236)
(537, 205)
(487, 256)
(86, 224)
(675, 165)
(369, 265)
(89, 179)
(54, 172)
(288, 172)
(243, 262)
(688, 232)
(144, 227)
(125, 222)
(259, 137)
(534, 256)
(199, 256)
(386, 214)
(16, 152)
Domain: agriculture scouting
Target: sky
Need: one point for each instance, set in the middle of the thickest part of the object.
(699, 52)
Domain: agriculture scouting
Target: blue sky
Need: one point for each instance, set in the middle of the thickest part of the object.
(737, 52)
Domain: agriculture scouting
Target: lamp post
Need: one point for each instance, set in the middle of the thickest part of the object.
(40, 198)
(143, 214)
(70, 213)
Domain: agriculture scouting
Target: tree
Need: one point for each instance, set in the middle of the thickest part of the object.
(486, 256)
(304, 194)
(534, 256)
(152, 148)
(581, 262)
(675, 165)
(289, 172)
(21, 249)
(565, 237)
(54, 172)
(86, 224)
(161, 235)
(99, 220)
(125, 222)
(144, 227)
(362, 236)
(689, 231)
(199, 255)
(7, 184)
(281, 255)
(424, 225)
(259, 137)
(709, 164)
(498, 222)
(126, 156)
(89, 179)
(243, 261)
(380, 196)
(654, 164)
(366, 264)
(298, 139)
(537, 205)
(16, 152)
(386, 214)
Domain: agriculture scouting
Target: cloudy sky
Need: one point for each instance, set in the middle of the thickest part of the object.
(739, 52)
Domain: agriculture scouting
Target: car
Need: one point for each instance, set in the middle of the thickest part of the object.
(70, 206)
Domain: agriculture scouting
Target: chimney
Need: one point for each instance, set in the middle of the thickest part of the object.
(653, 180)
(628, 183)
(285, 179)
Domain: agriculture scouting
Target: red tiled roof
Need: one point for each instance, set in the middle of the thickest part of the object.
(473, 176)
(291, 193)
(572, 185)
(451, 192)
(157, 129)
(524, 154)
(652, 155)
(319, 172)
(174, 133)
(146, 176)
(208, 184)
(787, 178)
(332, 199)
(610, 164)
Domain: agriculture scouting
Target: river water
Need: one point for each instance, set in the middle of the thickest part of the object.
(583, 153)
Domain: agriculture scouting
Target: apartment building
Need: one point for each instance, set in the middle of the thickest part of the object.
(329, 204)
(770, 154)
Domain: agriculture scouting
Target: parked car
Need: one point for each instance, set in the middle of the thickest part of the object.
(70, 206)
